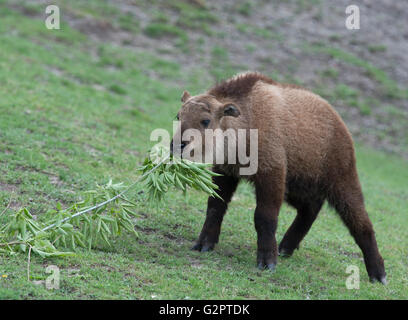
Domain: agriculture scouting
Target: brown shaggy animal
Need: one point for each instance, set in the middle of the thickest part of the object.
(306, 156)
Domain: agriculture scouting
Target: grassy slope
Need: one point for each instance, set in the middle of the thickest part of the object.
(73, 113)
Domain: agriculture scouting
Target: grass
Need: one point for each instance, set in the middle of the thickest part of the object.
(193, 16)
(245, 8)
(389, 86)
(221, 66)
(349, 96)
(377, 48)
(352, 98)
(188, 17)
(128, 22)
(330, 73)
(157, 30)
(261, 33)
(67, 121)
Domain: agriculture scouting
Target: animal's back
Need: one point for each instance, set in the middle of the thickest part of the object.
(301, 129)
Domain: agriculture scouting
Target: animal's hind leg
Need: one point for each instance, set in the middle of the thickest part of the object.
(306, 215)
(348, 201)
(216, 209)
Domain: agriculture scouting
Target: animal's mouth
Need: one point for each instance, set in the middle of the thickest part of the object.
(177, 148)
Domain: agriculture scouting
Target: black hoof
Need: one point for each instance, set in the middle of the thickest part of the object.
(271, 266)
(203, 247)
(285, 253)
(207, 248)
(382, 280)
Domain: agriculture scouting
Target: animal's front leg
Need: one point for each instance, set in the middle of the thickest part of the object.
(215, 212)
(269, 197)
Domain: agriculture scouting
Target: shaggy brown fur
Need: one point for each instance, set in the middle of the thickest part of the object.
(306, 156)
(241, 85)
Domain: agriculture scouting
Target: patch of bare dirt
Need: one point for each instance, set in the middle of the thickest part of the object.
(195, 263)
(12, 190)
(8, 187)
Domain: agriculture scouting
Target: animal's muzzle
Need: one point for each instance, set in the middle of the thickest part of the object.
(177, 148)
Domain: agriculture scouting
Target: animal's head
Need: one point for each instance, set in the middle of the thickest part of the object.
(199, 116)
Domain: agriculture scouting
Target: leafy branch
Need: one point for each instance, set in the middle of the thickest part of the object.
(102, 213)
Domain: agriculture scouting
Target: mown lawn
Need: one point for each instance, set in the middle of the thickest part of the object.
(74, 113)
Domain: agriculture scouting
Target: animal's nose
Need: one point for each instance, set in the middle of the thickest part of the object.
(180, 147)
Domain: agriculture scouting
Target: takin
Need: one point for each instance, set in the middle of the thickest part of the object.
(305, 156)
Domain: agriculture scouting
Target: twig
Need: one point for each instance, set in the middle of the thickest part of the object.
(127, 200)
(56, 239)
(8, 206)
(28, 263)
(11, 243)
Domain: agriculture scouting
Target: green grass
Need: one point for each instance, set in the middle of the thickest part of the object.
(330, 73)
(377, 48)
(160, 30)
(349, 96)
(193, 17)
(188, 16)
(389, 86)
(262, 33)
(221, 65)
(245, 8)
(67, 121)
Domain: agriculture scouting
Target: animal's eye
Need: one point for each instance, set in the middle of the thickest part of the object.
(205, 123)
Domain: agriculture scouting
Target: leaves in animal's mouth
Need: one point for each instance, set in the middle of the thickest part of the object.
(176, 172)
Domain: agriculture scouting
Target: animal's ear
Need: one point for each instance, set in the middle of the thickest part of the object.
(229, 110)
(185, 96)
